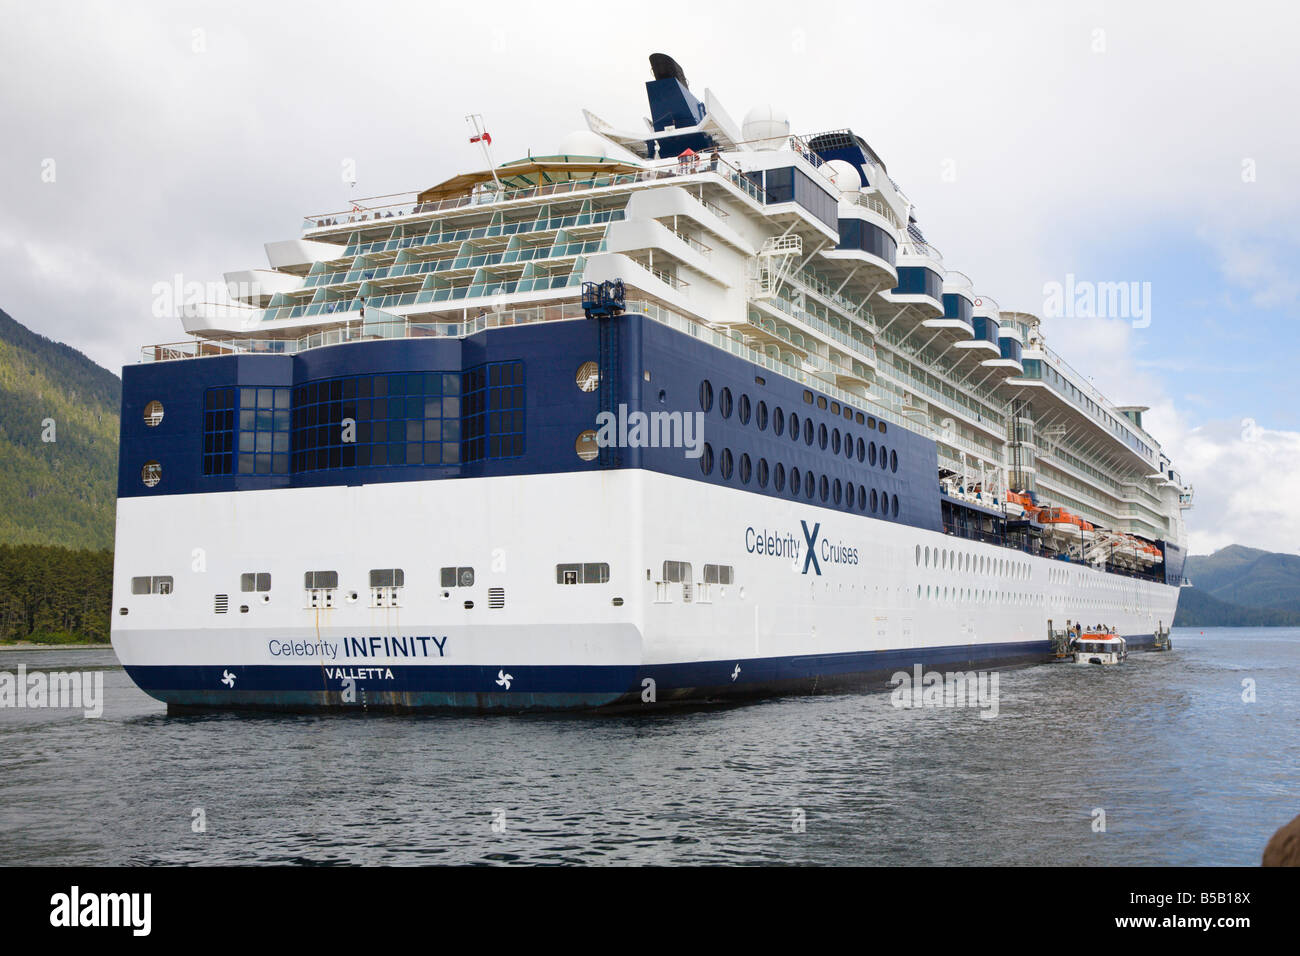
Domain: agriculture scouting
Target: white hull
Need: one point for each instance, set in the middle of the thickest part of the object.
(873, 592)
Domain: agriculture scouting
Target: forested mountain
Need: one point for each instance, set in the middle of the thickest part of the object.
(1240, 586)
(58, 442)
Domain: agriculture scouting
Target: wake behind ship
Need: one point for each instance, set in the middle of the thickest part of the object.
(683, 413)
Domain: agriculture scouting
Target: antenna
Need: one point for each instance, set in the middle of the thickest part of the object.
(484, 139)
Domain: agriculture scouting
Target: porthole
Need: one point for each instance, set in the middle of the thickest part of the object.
(821, 402)
(835, 441)
(875, 500)
(808, 431)
(837, 491)
(725, 463)
(794, 482)
(706, 459)
(586, 446)
(918, 555)
(871, 454)
(762, 473)
(588, 376)
(884, 459)
(794, 427)
(848, 445)
(823, 436)
(706, 395)
(151, 473)
(871, 423)
(778, 477)
(862, 450)
(883, 427)
(744, 409)
(859, 418)
(893, 460)
(825, 488)
(746, 468)
(809, 486)
(862, 497)
(895, 506)
(153, 413)
(761, 420)
(724, 402)
(778, 421)
(927, 555)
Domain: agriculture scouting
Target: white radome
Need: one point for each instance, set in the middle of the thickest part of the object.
(842, 173)
(765, 127)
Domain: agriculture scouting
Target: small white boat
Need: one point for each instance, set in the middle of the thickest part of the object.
(1099, 647)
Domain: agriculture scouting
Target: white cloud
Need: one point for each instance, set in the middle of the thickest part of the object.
(1247, 484)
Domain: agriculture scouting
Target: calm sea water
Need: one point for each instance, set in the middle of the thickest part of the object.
(1186, 772)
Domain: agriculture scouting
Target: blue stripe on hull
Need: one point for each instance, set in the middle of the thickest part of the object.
(562, 687)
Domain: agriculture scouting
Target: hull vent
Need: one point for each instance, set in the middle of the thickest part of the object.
(220, 603)
(496, 597)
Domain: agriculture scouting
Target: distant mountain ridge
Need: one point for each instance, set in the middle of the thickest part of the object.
(61, 492)
(1241, 586)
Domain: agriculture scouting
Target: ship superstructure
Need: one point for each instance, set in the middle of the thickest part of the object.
(689, 411)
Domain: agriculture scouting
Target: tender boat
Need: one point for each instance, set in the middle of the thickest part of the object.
(1099, 647)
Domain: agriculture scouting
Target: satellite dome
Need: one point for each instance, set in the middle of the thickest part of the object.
(765, 127)
(843, 173)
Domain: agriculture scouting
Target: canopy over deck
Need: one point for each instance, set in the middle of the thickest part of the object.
(538, 171)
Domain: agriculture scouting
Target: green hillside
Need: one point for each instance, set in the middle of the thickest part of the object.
(59, 492)
(1199, 609)
(1248, 577)
(1238, 586)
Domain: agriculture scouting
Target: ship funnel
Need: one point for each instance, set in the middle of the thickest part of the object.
(665, 67)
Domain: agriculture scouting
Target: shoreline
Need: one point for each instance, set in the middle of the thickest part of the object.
(46, 647)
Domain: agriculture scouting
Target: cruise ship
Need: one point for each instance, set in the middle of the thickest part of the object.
(686, 412)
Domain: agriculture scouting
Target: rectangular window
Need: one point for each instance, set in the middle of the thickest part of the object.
(588, 573)
(718, 574)
(387, 578)
(320, 579)
(386, 587)
(264, 428)
(255, 581)
(246, 431)
(457, 577)
(219, 431)
(319, 587)
(677, 572)
(157, 584)
(374, 421)
(493, 425)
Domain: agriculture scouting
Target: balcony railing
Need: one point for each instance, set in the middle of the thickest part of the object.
(911, 246)
(877, 206)
(401, 205)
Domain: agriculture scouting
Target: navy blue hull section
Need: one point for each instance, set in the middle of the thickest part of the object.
(572, 687)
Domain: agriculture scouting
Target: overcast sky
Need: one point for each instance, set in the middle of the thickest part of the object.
(146, 140)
